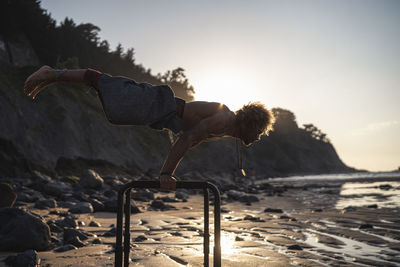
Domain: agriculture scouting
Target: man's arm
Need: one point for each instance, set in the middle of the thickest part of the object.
(213, 125)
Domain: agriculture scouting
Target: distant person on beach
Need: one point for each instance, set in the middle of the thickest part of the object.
(126, 102)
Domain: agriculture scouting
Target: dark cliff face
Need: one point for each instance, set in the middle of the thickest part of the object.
(67, 122)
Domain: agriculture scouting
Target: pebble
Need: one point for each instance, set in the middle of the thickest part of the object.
(94, 224)
(295, 247)
(366, 226)
(97, 241)
(271, 210)
(140, 238)
(65, 248)
(111, 232)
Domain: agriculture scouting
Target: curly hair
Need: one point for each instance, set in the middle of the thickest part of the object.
(255, 117)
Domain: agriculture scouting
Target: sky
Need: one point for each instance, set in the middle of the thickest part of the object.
(335, 64)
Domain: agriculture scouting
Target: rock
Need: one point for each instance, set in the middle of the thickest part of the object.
(181, 195)
(248, 199)
(82, 207)
(111, 206)
(317, 210)
(235, 195)
(159, 205)
(56, 189)
(97, 241)
(250, 217)
(97, 205)
(21, 230)
(140, 238)
(91, 179)
(295, 247)
(349, 208)
(28, 258)
(45, 204)
(67, 222)
(70, 234)
(71, 179)
(111, 232)
(55, 240)
(366, 226)
(167, 199)
(241, 196)
(7, 196)
(40, 177)
(25, 197)
(76, 241)
(238, 238)
(385, 187)
(271, 210)
(65, 248)
(225, 210)
(144, 195)
(54, 228)
(94, 224)
(373, 206)
(66, 204)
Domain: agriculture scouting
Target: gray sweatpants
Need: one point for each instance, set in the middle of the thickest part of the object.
(126, 102)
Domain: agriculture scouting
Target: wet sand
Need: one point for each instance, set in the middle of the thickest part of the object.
(310, 231)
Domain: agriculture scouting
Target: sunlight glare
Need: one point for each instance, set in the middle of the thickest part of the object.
(226, 86)
(227, 243)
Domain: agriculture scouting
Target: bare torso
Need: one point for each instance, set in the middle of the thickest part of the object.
(199, 110)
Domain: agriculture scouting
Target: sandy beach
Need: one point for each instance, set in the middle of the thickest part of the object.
(309, 223)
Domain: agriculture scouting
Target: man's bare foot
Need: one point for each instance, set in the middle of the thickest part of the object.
(38, 80)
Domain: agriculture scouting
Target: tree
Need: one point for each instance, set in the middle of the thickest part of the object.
(315, 133)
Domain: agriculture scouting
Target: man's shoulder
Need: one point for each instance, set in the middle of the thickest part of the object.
(212, 107)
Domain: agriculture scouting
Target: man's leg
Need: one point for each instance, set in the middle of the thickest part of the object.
(47, 75)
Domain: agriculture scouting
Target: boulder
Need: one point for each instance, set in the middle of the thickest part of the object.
(28, 258)
(91, 179)
(7, 196)
(22, 230)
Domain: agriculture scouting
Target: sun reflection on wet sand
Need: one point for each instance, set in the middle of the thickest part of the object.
(227, 243)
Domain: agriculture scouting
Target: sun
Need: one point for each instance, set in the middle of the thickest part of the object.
(227, 86)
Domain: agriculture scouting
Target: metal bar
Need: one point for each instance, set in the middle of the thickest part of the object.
(217, 224)
(127, 235)
(119, 253)
(206, 243)
(118, 243)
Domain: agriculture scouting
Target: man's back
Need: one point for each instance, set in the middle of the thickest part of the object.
(199, 110)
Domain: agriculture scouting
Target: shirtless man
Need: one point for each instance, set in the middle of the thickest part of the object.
(200, 120)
